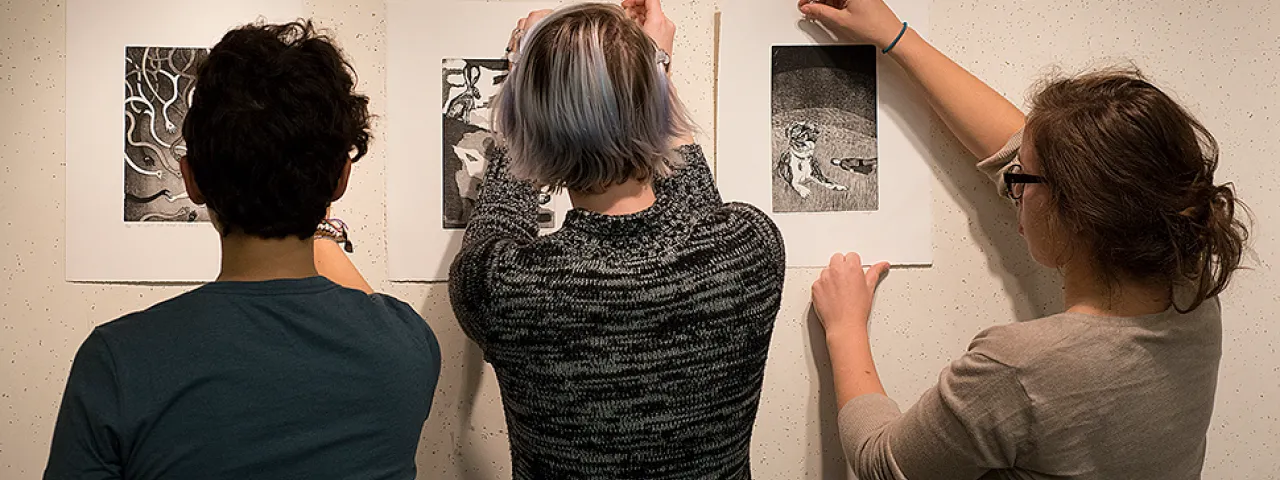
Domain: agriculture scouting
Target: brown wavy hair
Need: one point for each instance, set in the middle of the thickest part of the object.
(1132, 172)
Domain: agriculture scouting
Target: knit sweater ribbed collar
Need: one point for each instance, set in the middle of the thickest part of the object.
(655, 219)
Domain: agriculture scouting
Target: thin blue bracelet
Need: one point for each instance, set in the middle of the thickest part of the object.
(896, 40)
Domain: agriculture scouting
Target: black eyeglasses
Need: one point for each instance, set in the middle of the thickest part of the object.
(1016, 181)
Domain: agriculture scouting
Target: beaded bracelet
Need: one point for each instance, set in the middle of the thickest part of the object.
(336, 230)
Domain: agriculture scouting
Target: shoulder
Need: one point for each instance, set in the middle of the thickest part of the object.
(750, 215)
(396, 309)
(752, 230)
(999, 162)
(394, 306)
(175, 314)
(403, 313)
(754, 219)
(691, 154)
(477, 263)
(1023, 344)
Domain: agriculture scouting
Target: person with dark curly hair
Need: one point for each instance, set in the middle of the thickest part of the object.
(287, 366)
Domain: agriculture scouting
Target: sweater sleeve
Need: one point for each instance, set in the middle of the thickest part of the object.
(976, 419)
(504, 219)
(693, 181)
(995, 166)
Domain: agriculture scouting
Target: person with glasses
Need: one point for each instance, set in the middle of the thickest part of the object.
(1114, 185)
(632, 342)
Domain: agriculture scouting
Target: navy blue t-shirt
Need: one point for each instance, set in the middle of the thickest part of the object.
(278, 379)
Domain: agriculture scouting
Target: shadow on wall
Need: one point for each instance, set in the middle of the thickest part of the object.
(452, 443)
(1033, 291)
(473, 464)
(833, 466)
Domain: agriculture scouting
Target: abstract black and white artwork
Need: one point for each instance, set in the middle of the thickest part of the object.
(158, 85)
(824, 129)
(469, 89)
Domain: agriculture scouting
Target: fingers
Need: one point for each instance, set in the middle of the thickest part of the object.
(875, 273)
(522, 27)
(652, 6)
(635, 14)
(818, 11)
(635, 8)
(853, 260)
(645, 9)
(836, 261)
(537, 16)
(836, 4)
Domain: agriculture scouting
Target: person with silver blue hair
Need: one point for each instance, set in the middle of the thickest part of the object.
(632, 342)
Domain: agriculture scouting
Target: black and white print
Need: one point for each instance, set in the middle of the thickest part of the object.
(824, 129)
(469, 88)
(158, 84)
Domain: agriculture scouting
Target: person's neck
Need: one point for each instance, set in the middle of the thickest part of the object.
(632, 196)
(247, 258)
(1085, 291)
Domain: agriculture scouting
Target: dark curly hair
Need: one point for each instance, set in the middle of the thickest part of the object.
(1133, 171)
(273, 121)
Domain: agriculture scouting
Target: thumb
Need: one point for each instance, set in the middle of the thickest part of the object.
(875, 273)
(821, 12)
(653, 8)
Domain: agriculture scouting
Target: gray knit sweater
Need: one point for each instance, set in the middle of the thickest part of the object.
(625, 346)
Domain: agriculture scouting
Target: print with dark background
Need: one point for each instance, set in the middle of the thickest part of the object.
(832, 87)
(158, 83)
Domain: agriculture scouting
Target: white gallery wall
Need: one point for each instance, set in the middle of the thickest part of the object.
(1221, 58)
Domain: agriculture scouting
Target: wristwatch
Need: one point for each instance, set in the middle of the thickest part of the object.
(664, 59)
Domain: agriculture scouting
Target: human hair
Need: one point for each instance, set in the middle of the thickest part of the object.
(1132, 173)
(273, 121)
(587, 104)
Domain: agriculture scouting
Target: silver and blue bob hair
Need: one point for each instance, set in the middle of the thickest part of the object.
(587, 104)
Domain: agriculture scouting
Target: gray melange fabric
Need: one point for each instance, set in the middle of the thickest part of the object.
(626, 346)
(1063, 397)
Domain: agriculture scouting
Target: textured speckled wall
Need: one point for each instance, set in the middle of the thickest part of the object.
(1221, 58)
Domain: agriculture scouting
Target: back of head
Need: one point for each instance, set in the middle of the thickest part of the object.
(587, 104)
(1132, 173)
(272, 124)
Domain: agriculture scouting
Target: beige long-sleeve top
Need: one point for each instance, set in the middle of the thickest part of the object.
(1069, 396)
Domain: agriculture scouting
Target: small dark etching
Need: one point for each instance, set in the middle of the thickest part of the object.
(824, 129)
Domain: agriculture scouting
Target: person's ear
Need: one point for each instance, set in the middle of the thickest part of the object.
(189, 180)
(342, 182)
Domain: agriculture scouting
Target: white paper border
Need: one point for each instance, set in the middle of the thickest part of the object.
(101, 246)
(901, 232)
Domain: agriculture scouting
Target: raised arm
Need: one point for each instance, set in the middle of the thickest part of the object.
(693, 182)
(332, 263)
(506, 209)
(976, 114)
(505, 218)
(694, 179)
